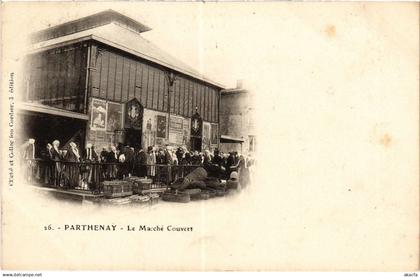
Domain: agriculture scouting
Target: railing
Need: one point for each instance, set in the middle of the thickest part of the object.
(89, 176)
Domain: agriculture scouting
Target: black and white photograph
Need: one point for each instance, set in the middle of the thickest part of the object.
(124, 168)
(210, 136)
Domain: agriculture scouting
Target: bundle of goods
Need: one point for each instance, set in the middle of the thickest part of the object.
(155, 190)
(192, 191)
(176, 196)
(211, 192)
(117, 188)
(178, 184)
(221, 192)
(233, 182)
(198, 174)
(118, 201)
(214, 187)
(154, 198)
(214, 170)
(216, 192)
(139, 184)
(139, 198)
(213, 183)
(203, 195)
(197, 185)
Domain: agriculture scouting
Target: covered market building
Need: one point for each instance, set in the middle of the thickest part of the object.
(97, 80)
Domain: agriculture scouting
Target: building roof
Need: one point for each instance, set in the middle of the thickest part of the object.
(233, 91)
(89, 22)
(116, 30)
(40, 108)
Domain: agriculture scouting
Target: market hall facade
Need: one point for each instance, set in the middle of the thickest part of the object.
(97, 80)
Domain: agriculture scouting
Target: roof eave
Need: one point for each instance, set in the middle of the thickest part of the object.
(86, 23)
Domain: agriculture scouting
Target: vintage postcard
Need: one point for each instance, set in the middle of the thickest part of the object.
(210, 136)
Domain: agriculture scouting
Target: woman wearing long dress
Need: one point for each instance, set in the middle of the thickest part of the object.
(92, 173)
(72, 166)
(243, 171)
(48, 165)
(56, 157)
(112, 160)
(151, 162)
(140, 163)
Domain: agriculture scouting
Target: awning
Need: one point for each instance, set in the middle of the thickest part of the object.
(229, 139)
(35, 107)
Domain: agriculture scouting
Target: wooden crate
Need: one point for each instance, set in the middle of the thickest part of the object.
(114, 189)
(139, 184)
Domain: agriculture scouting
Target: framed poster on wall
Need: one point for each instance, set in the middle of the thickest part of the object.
(206, 135)
(98, 115)
(114, 117)
(161, 126)
(186, 132)
(176, 130)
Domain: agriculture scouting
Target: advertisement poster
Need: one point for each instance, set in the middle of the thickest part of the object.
(98, 115)
(176, 130)
(186, 132)
(148, 133)
(161, 126)
(206, 135)
(114, 117)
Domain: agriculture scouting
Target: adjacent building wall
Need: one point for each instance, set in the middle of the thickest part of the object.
(237, 120)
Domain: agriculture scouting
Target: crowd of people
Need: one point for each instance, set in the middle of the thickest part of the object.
(70, 167)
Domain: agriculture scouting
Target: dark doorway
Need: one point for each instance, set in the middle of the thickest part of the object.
(45, 128)
(133, 137)
(196, 144)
